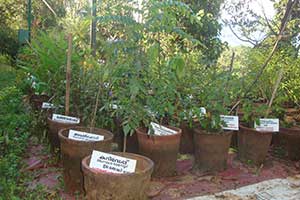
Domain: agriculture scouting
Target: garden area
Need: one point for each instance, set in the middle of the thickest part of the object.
(147, 99)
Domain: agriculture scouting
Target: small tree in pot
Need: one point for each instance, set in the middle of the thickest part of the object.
(211, 141)
(162, 106)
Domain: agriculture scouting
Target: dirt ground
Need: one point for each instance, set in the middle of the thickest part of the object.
(47, 172)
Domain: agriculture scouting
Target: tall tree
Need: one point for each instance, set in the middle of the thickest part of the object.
(208, 31)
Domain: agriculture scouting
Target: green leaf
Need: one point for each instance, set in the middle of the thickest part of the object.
(178, 64)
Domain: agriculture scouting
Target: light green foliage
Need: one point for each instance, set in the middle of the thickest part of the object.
(45, 59)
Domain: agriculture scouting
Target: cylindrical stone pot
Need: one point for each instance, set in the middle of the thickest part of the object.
(211, 150)
(73, 151)
(292, 142)
(54, 127)
(253, 145)
(100, 185)
(162, 150)
(187, 139)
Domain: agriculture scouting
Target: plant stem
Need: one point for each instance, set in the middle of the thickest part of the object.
(124, 143)
(96, 108)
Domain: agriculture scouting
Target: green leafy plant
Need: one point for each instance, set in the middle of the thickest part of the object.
(14, 123)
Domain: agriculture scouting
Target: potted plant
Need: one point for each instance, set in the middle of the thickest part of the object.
(211, 141)
(147, 70)
(158, 106)
(253, 145)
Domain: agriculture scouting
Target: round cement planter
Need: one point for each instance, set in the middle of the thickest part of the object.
(253, 145)
(54, 127)
(211, 150)
(73, 151)
(292, 142)
(162, 150)
(101, 185)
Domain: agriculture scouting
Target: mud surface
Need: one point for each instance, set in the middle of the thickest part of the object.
(186, 184)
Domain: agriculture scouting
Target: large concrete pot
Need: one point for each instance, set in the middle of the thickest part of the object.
(73, 151)
(54, 127)
(100, 185)
(162, 150)
(253, 145)
(211, 150)
(292, 142)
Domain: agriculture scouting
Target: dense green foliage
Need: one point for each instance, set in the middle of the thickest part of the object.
(14, 127)
(11, 19)
(154, 68)
(158, 61)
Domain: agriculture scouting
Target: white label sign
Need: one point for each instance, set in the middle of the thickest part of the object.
(232, 122)
(271, 125)
(83, 136)
(203, 110)
(162, 130)
(65, 119)
(47, 105)
(112, 163)
(113, 106)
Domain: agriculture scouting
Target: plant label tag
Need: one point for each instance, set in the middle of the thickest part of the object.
(84, 136)
(232, 122)
(47, 105)
(162, 130)
(114, 106)
(269, 125)
(202, 110)
(65, 119)
(112, 163)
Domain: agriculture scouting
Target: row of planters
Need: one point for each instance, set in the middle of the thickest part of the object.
(151, 72)
(210, 145)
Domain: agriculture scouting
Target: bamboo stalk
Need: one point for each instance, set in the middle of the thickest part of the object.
(68, 75)
(280, 75)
